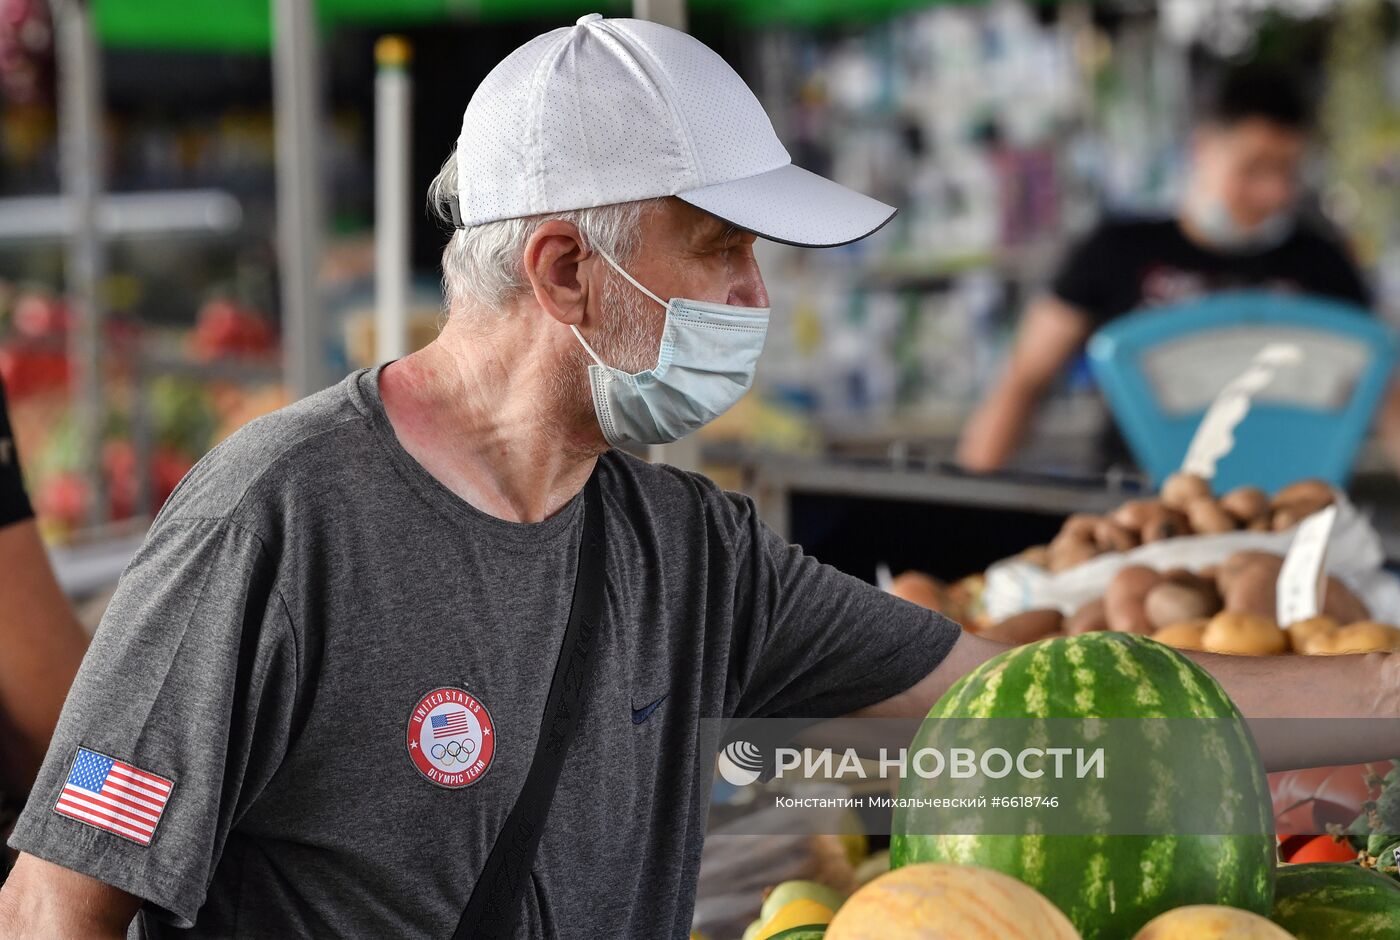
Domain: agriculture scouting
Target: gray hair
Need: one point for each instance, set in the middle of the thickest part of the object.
(482, 262)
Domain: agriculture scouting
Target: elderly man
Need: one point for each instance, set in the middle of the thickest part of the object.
(362, 642)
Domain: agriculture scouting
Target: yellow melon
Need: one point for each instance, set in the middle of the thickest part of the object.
(934, 901)
(1210, 922)
(799, 913)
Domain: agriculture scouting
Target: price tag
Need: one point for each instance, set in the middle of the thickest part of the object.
(1302, 580)
(1215, 436)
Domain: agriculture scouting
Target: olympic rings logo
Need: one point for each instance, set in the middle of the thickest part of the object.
(454, 752)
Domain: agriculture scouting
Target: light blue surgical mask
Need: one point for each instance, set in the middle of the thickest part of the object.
(706, 363)
(1213, 221)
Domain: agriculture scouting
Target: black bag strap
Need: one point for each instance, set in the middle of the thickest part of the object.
(495, 904)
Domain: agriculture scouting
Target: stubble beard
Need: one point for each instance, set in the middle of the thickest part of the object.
(629, 338)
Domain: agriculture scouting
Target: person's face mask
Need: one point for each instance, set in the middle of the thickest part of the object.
(1212, 220)
(706, 363)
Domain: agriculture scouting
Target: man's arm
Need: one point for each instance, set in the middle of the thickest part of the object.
(41, 899)
(1050, 334)
(1365, 688)
(41, 645)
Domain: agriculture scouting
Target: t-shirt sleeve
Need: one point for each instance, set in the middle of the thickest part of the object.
(178, 717)
(14, 503)
(815, 642)
(1086, 277)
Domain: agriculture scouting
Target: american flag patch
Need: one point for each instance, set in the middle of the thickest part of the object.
(450, 723)
(114, 796)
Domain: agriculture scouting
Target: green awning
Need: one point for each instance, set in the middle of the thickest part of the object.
(246, 25)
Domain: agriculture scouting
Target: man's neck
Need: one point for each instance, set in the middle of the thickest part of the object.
(473, 409)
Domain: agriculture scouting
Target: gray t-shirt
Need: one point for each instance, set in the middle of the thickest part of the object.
(267, 715)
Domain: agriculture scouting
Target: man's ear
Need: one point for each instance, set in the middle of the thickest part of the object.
(552, 262)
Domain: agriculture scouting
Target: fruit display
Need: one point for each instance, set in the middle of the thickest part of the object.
(224, 328)
(186, 416)
(1185, 506)
(960, 601)
(948, 902)
(1375, 832)
(792, 905)
(1111, 886)
(1227, 608)
(1327, 901)
(1210, 922)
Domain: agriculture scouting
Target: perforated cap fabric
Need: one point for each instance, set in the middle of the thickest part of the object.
(616, 110)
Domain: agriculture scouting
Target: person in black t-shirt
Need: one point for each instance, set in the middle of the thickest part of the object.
(41, 641)
(1236, 229)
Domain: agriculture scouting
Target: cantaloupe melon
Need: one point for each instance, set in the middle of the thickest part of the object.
(935, 901)
(1211, 922)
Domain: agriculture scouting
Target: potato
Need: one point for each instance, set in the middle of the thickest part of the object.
(1109, 536)
(1207, 518)
(1165, 524)
(1303, 632)
(1190, 578)
(1170, 602)
(1134, 513)
(1038, 555)
(1089, 618)
(1179, 489)
(1341, 604)
(1253, 591)
(1297, 501)
(1079, 526)
(1067, 552)
(921, 589)
(1241, 561)
(1125, 599)
(1286, 517)
(1183, 636)
(1364, 636)
(1025, 627)
(1318, 492)
(1243, 634)
(1245, 503)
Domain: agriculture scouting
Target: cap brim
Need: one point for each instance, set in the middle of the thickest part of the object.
(793, 206)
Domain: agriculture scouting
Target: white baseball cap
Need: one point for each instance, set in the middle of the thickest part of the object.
(617, 110)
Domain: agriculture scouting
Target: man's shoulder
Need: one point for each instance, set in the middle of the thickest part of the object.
(284, 450)
(672, 496)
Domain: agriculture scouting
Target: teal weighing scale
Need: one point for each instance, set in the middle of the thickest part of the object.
(1161, 369)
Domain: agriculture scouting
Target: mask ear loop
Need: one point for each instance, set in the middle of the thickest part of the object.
(588, 348)
(635, 283)
(632, 280)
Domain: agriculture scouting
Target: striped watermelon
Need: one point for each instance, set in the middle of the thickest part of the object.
(1110, 886)
(1332, 901)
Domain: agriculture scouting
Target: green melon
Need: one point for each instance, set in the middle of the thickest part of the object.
(1111, 885)
(1336, 901)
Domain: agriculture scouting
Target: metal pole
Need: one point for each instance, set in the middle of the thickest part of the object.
(297, 101)
(392, 115)
(666, 12)
(684, 453)
(80, 114)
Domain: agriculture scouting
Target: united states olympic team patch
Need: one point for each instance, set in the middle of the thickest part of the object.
(451, 739)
